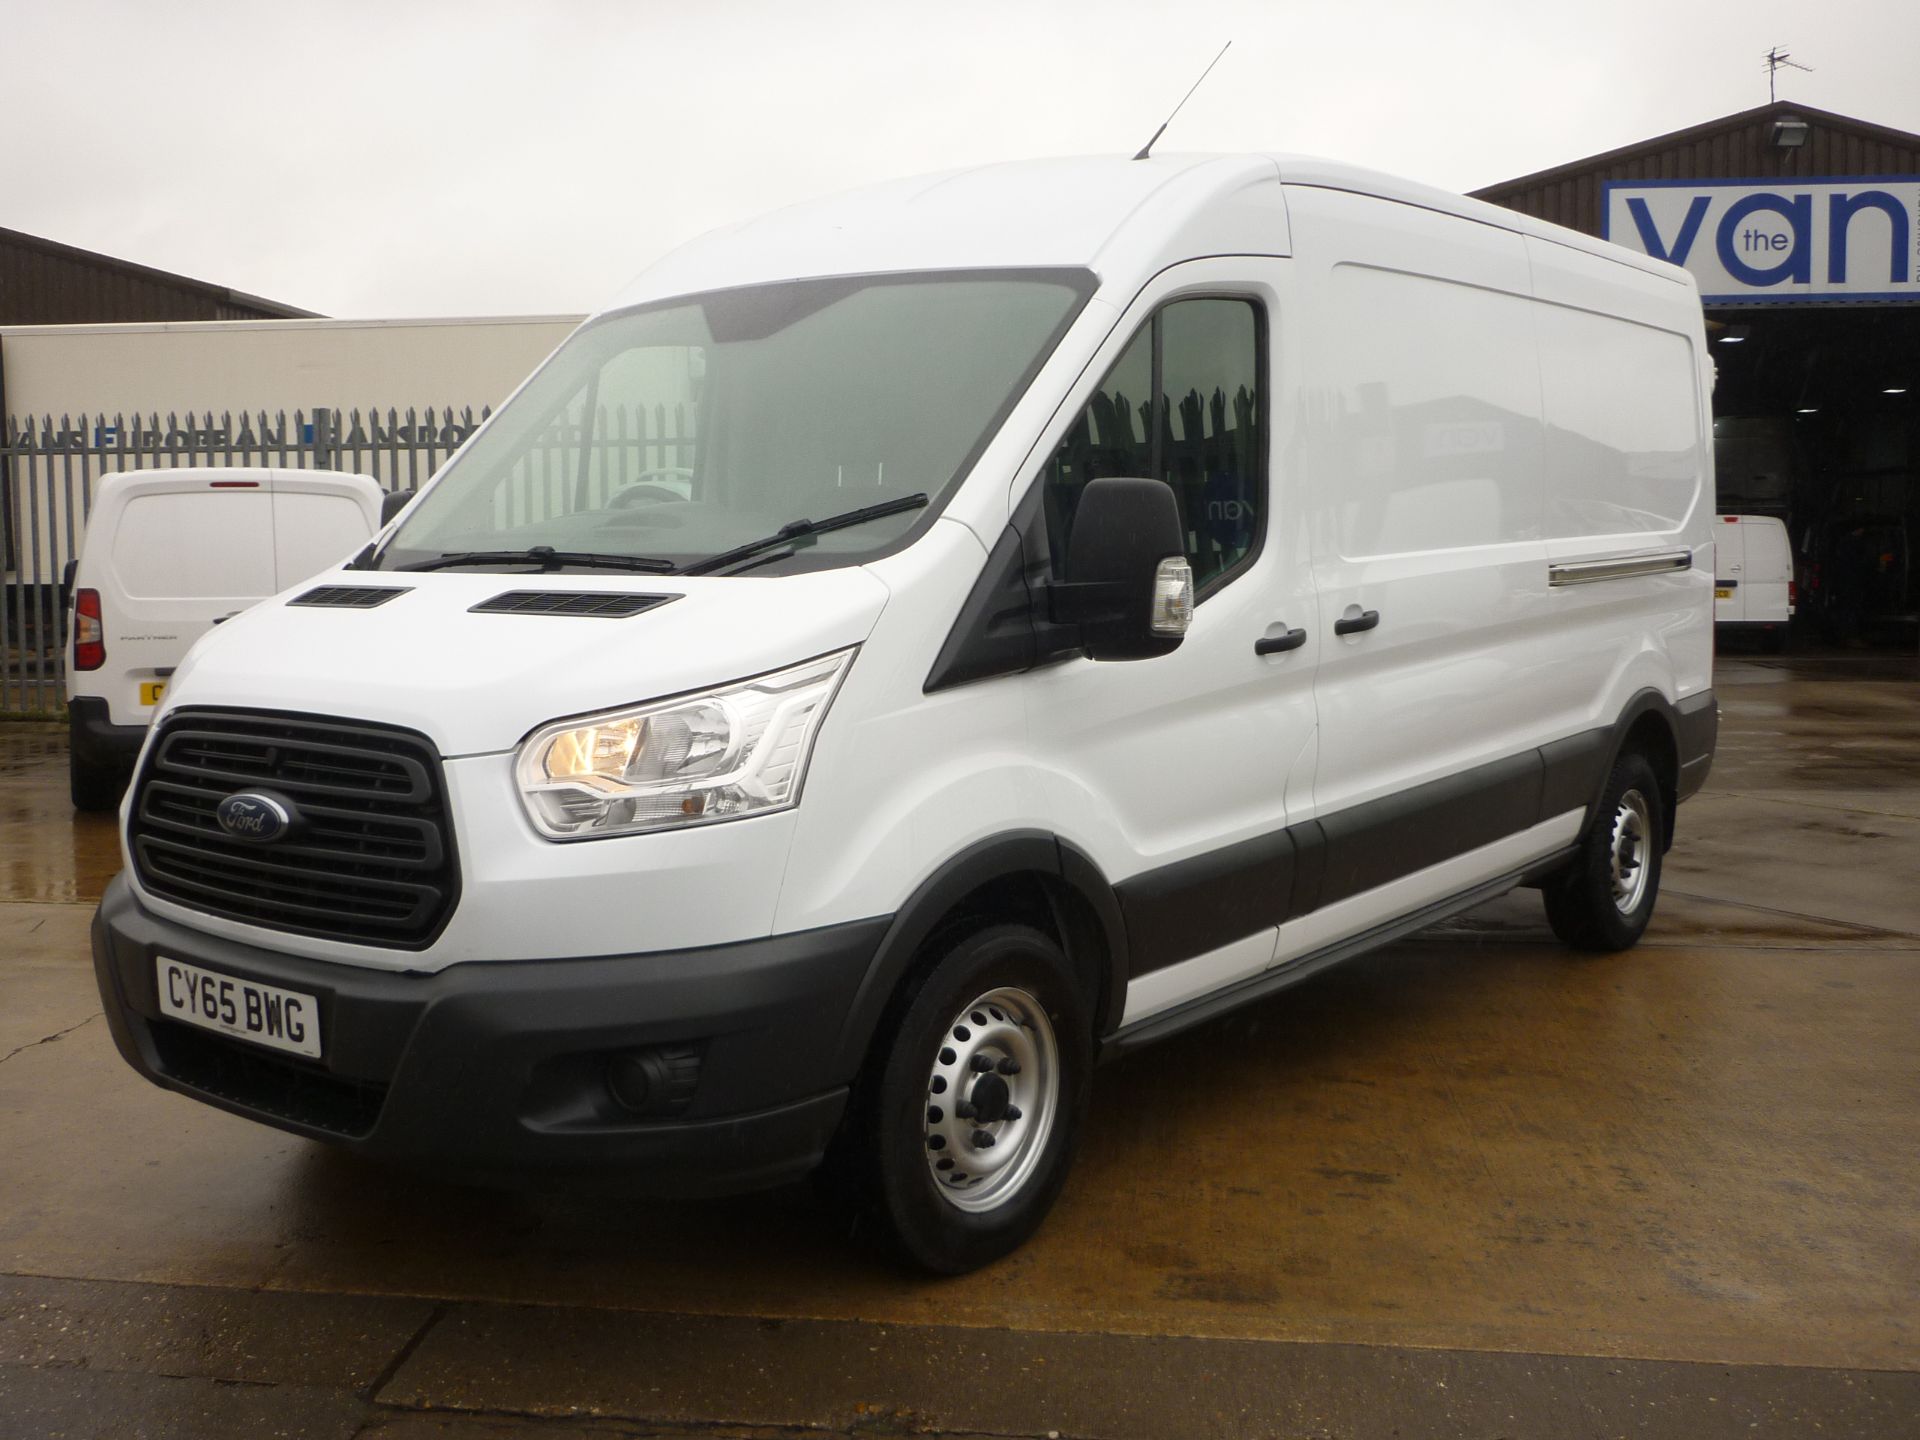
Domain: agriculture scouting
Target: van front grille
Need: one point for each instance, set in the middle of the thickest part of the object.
(368, 859)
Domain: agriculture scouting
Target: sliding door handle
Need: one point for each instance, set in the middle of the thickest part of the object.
(1354, 624)
(1274, 644)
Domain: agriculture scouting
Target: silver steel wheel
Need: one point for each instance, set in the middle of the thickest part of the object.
(1631, 850)
(992, 1096)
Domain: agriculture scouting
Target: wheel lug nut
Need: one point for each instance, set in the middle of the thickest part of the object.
(981, 1063)
(1013, 1112)
(964, 1110)
(1009, 1066)
(982, 1140)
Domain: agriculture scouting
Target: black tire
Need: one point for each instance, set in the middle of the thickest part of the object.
(884, 1161)
(1586, 905)
(94, 786)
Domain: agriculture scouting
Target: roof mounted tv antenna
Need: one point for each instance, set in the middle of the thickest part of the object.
(1777, 59)
(1183, 100)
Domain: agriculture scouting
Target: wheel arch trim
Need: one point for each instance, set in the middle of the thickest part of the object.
(1668, 767)
(1066, 875)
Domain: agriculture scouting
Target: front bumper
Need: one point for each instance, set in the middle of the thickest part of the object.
(497, 1071)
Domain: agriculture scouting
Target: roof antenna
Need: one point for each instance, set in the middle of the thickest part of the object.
(1183, 100)
(1776, 60)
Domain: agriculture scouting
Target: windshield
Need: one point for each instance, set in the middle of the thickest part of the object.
(683, 430)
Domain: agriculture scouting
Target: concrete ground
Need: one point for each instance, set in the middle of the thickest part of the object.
(1471, 1186)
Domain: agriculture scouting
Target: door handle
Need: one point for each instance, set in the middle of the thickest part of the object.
(1365, 620)
(1274, 644)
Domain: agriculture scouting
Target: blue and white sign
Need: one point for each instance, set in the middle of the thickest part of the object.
(1777, 241)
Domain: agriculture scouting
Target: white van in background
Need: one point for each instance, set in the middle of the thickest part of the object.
(167, 555)
(1753, 586)
(918, 643)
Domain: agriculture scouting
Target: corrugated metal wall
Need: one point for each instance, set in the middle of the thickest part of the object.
(44, 283)
(1739, 147)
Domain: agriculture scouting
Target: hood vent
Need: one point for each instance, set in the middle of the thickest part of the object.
(350, 597)
(592, 603)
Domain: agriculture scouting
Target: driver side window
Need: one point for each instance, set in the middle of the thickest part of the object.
(1182, 405)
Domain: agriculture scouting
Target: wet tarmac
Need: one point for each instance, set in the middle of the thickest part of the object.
(1471, 1185)
(49, 852)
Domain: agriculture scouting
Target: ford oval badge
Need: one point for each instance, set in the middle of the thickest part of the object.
(251, 815)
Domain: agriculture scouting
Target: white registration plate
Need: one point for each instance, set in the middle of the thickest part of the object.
(266, 1015)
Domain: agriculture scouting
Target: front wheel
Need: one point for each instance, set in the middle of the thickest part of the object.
(972, 1112)
(1604, 898)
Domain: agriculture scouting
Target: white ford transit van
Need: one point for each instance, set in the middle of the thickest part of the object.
(1753, 587)
(915, 645)
(167, 555)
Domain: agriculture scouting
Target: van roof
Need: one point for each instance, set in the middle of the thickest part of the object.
(1116, 216)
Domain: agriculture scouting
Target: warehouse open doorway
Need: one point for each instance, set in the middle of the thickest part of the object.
(1817, 421)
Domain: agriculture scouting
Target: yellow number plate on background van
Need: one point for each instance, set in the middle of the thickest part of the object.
(1720, 593)
(151, 691)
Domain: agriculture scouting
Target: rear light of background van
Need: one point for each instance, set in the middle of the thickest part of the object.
(89, 639)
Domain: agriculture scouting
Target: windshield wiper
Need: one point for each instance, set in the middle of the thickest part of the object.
(546, 557)
(796, 532)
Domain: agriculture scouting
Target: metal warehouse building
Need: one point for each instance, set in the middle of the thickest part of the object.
(1803, 229)
(46, 283)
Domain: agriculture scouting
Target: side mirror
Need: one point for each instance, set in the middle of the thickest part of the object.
(1128, 585)
(393, 502)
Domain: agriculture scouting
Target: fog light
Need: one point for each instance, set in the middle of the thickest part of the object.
(657, 1080)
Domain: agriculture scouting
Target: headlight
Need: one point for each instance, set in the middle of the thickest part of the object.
(741, 750)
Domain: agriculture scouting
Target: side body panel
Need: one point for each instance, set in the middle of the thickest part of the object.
(1629, 472)
(1460, 442)
(1420, 453)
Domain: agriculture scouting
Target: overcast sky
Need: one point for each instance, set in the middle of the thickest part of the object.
(411, 157)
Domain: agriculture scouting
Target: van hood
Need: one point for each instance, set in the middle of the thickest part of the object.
(476, 682)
